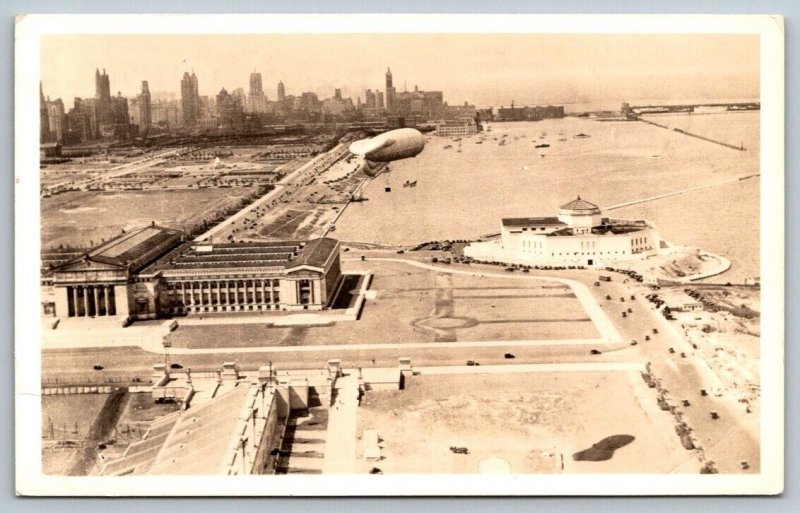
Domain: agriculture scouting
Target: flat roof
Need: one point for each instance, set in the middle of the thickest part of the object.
(270, 254)
(134, 249)
(522, 222)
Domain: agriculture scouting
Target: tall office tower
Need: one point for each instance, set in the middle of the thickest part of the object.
(190, 99)
(369, 99)
(390, 92)
(256, 100)
(102, 95)
(44, 120)
(379, 99)
(145, 113)
(337, 93)
(55, 117)
(281, 92)
(102, 89)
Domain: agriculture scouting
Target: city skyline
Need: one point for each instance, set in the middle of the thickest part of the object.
(526, 69)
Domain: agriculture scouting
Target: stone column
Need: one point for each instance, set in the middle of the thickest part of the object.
(263, 292)
(75, 308)
(85, 301)
(105, 299)
(96, 295)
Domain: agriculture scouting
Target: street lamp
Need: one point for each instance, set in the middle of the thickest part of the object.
(167, 344)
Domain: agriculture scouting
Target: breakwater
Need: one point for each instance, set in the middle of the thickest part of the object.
(690, 134)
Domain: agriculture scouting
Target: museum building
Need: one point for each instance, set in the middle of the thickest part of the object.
(579, 235)
(155, 272)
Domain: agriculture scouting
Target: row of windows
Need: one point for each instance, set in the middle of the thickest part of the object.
(222, 284)
(225, 299)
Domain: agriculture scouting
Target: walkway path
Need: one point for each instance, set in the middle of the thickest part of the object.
(340, 449)
(532, 367)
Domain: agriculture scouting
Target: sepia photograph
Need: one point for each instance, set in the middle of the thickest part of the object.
(399, 255)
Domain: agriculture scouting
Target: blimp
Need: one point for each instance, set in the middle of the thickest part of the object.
(399, 144)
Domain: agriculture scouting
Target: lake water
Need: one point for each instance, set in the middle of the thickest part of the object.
(464, 195)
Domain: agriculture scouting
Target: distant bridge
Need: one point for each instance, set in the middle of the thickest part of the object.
(690, 107)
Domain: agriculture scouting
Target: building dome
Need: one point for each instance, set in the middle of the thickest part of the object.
(579, 207)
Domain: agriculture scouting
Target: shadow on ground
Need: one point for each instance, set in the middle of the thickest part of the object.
(604, 449)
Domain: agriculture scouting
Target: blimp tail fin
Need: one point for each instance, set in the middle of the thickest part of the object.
(370, 168)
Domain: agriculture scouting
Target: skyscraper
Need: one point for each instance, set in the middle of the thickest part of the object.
(102, 95)
(55, 117)
(145, 114)
(44, 120)
(379, 99)
(369, 98)
(256, 100)
(281, 92)
(102, 88)
(390, 92)
(190, 99)
(337, 93)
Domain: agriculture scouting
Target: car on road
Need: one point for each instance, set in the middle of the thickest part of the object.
(595, 351)
(175, 366)
(98, 367)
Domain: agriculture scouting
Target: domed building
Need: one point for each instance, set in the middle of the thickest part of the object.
(580, 215)
(579, 235)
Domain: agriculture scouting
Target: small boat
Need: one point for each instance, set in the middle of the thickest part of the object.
(478, 142)
(543, 145)
(563, 139)
(582, 136)
(448, 146)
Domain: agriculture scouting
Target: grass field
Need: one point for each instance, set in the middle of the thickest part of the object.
(416, 305)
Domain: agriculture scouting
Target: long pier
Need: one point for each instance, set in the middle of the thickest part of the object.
(682, 191)
(690, 134)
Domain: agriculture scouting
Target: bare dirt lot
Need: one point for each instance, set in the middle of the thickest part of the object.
(66, 420)
(81, 218)
(609, 420)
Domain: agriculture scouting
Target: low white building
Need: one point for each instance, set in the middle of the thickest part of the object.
(579, 235)
(456, 127)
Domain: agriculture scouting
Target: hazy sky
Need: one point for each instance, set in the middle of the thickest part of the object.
(484, 69)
